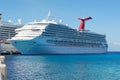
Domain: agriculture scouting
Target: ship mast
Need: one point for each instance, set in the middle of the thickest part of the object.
(48, 16)
(0, 18)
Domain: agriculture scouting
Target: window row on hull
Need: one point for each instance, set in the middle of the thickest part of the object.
(71, 36)
(71, 43)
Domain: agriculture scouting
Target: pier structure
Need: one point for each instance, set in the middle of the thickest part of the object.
(7, 49)
(7, 31)
(3, 75)
(0, 47)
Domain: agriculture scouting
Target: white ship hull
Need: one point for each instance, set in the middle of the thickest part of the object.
(36, 46)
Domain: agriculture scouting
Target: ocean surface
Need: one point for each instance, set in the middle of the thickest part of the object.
(64, 67)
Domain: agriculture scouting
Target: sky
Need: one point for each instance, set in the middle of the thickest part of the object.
(105, 14)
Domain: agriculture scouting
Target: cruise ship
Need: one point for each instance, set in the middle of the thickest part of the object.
(51, 37)
(7, 31)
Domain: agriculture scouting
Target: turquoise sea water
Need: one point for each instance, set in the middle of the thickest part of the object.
(64, 67)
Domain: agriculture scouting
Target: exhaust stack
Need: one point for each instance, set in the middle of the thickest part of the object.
(82, 24)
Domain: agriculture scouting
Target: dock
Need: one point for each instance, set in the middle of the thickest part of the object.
(8, 49)
(3, 75)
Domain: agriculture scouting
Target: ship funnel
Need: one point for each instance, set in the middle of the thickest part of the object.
(82, 24)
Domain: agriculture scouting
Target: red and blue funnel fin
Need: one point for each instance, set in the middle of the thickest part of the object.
(82, 24)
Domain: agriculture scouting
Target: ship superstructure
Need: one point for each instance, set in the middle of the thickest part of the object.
(50, 37)
(7, 29)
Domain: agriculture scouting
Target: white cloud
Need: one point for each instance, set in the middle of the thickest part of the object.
(116, 43)
(114, 46)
